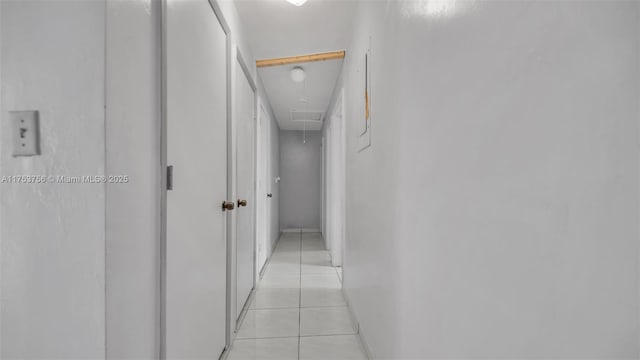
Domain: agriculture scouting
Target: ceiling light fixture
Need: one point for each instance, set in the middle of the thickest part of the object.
(297, 2)
(297, 74)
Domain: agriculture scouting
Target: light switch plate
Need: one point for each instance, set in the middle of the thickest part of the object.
(26, 133)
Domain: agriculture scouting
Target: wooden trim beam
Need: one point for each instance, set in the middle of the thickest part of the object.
(301, 59)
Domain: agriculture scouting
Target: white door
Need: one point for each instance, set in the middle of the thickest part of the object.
(245, 244)
(336, 211)
(196, 135)
(329, 187)
(324, 187)
(264, 156)
(335, 184)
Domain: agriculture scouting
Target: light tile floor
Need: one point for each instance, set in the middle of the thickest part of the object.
(298, 311)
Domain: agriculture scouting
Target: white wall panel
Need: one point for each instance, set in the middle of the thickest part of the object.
(495, 213)
(133, 144)
(52, 240)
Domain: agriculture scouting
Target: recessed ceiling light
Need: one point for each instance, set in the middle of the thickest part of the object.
(297, 2)
(298, 74)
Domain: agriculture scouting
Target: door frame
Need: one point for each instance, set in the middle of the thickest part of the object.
(336, 182)
(263, 169)
(233, 319)
(323, 176)
(162, 293)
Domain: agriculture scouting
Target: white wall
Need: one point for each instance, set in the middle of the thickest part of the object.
(52, 239)
(1, 153)
(300, 185)
(133, 149)
(53, 273)
(495, 214)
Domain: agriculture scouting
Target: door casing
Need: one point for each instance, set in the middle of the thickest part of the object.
(239, 59)
(335, 184)
(263, 186)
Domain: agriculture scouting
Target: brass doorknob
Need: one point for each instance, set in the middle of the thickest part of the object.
(242, 202)
(227, 205)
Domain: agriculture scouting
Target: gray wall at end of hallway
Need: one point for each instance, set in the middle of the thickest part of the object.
(300, 185)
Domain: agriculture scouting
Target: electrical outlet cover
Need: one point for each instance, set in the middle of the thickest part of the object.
(26, 133)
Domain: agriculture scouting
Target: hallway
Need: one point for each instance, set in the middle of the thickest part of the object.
(189, 179)
(298, 310)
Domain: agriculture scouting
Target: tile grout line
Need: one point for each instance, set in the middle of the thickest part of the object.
(296, 337)
(300, 307)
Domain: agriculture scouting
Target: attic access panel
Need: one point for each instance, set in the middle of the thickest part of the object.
(307, 116)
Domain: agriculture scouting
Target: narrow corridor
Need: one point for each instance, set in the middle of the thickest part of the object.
(298, 311)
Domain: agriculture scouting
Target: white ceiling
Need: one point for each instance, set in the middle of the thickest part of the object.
(275, 28)
(286, 95)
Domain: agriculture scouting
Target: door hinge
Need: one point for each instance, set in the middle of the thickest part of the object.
(170, 177)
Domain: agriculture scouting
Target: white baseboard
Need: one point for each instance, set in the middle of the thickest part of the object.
(363, 340)
(304, 230)
(266, 263)
(365, 345)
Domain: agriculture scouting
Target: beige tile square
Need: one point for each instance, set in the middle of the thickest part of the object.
(269, 298)
(326, 321)
(340, 347)
(281, 281)
(264, 349)
(321, 281)
(269, 324)
(322, 297)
